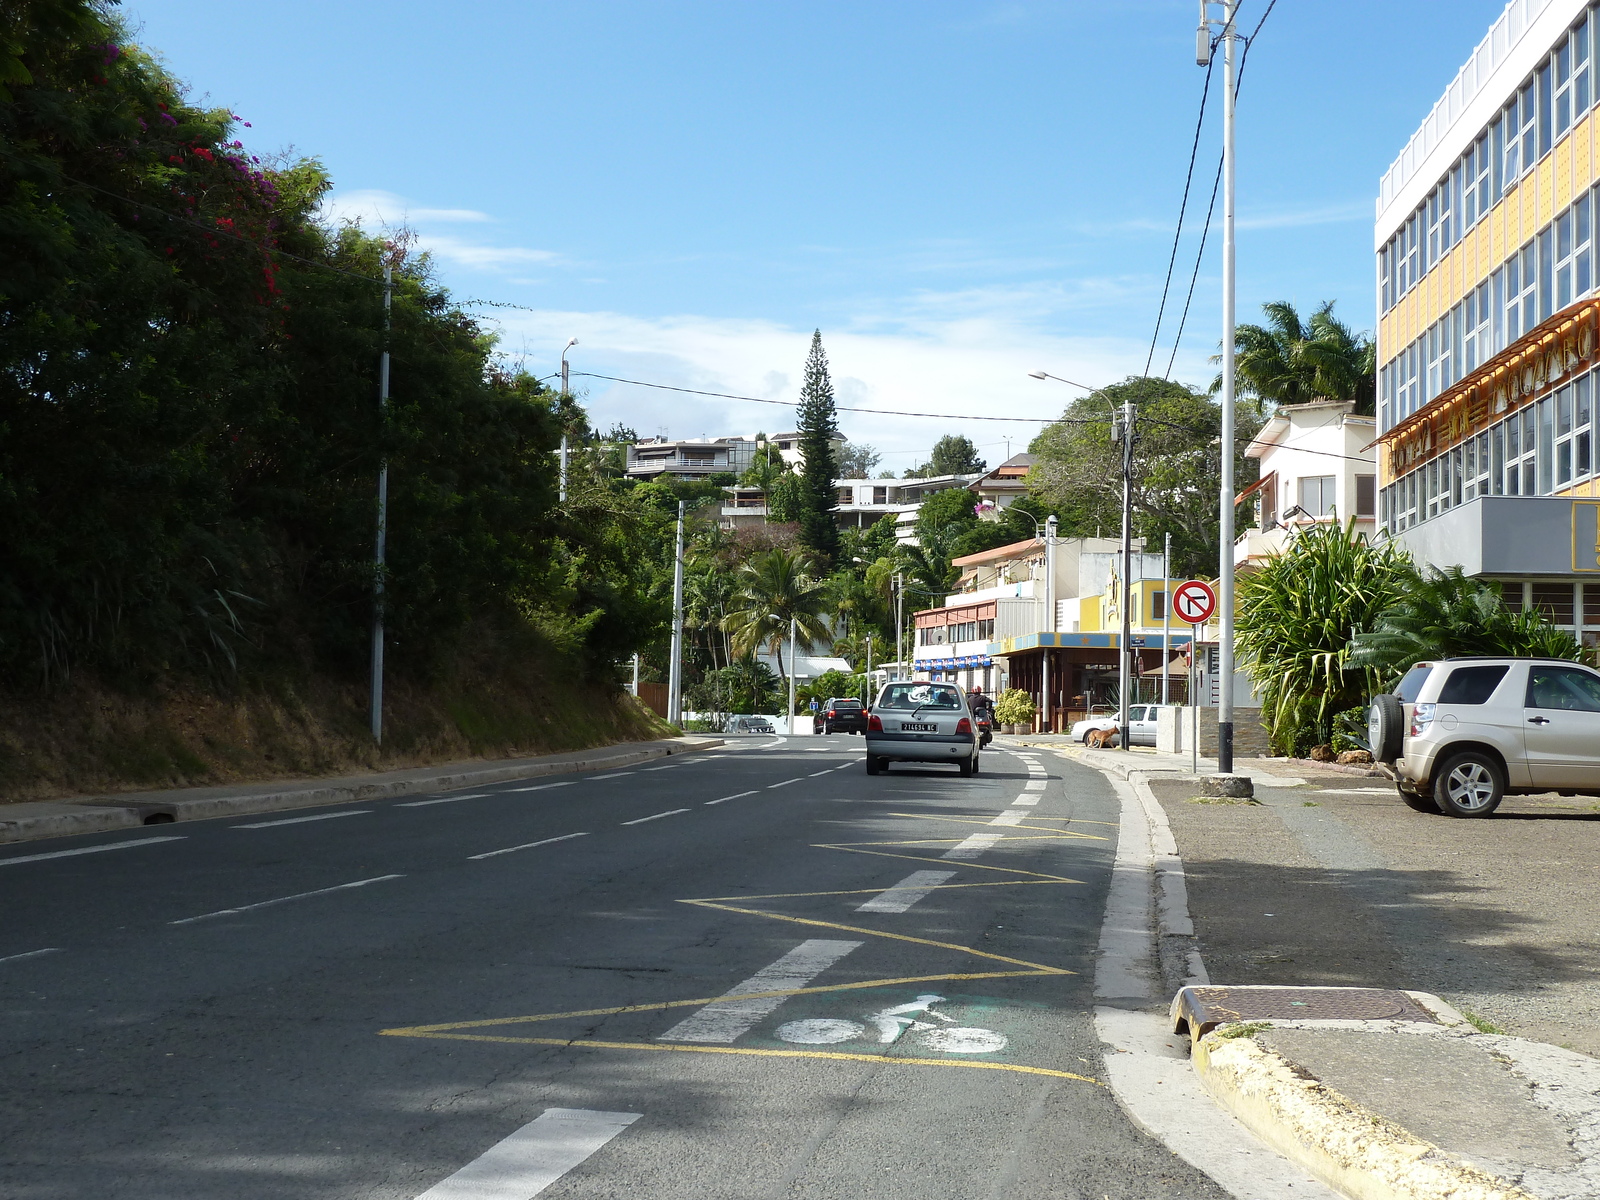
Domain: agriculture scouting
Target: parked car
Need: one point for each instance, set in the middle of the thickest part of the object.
(1459, 735)
(843, 714)
(750, 725)
(1141, 724)
(914, 721)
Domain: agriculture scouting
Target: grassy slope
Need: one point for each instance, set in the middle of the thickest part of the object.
(86, 738)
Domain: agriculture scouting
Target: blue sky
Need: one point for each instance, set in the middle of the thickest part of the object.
(956, 194)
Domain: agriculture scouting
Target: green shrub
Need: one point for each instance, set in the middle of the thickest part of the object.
(1015, 707)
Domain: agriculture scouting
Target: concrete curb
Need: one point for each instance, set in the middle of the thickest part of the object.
(1356, 1151)
(100, 814)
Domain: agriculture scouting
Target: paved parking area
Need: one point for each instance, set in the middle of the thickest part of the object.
(1330, 879)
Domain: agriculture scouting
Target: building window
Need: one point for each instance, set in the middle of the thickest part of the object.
(1366, 495)
(1158, 606)
(1477, 467)
(1553, 602)
(1573, 259)
(1475, 344)
(1522, 300)
(1316, 494)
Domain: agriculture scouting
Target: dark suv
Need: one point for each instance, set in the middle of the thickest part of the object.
(843, 714)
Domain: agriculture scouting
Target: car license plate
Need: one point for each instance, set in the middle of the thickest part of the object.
(908, 727)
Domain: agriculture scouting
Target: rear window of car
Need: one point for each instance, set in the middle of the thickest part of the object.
(846, 704)
(919, 695)
(1471, 685)
(1411, 686)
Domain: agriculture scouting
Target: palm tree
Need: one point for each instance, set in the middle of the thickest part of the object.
(1290, 361)
(1445, 614)
(772, 589)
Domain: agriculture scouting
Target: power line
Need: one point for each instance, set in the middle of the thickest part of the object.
(1183, 207)
(1237, 84)
(887, 412)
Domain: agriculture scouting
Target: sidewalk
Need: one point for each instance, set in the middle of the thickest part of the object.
(97, 814)
(1376, 1091)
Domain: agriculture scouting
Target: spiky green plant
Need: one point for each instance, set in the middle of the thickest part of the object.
(1294, 622)
(1443, 614)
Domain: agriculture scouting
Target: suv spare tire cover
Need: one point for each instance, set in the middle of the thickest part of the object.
(1385, 727)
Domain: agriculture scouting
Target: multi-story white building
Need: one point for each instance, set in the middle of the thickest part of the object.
(1487, 334)
(1317, 466)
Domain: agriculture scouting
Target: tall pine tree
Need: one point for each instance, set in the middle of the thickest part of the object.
(818, 425)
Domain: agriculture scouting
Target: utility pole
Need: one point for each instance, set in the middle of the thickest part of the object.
(636, 673)
(675, 669)
(1166, 620)
(1049, 617)
(1229, 38)
(791, 677)
(566, 395)
(1124, 430)
(380, 554)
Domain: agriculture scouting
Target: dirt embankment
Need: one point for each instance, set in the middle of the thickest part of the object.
(85, 738)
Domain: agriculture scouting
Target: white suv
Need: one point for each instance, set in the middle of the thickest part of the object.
(1460, 734)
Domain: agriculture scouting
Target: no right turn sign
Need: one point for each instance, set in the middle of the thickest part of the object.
(1194, 601)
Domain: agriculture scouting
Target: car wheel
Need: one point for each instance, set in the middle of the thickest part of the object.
(1418, 802)
(874, 765)
(976, 763)
(1468, 785)
(1385, 727)
(968, 767)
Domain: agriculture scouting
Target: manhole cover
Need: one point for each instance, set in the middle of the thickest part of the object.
(1202, 1009)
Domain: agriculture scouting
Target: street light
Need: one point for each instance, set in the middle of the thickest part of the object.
(1058, 379)
(566, 394)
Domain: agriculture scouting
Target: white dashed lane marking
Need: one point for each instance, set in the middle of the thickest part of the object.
(907, 892)
(354, 812)
(565, 837)
(442, 800)
(735, 796)
(973, 846)
(1026, 800)
(671, 812)
(1034, 785)
(244, 908)
(31, 954)
(533, 1157)
(539, 787)
(1010, 817)
(23, 858)
(723, 1022)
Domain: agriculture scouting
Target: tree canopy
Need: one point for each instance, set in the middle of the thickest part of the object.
(188, 385)
(1177, 467)
(1291, 361)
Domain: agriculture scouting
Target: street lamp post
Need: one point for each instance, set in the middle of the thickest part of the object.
(675, 667)
(1229, 37)
(566, 394)
(1049, 616)
(899, 625)
(380, 550)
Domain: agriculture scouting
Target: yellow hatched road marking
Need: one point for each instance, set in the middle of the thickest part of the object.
(756, 1052)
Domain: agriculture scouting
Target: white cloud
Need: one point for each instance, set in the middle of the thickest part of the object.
(974, 366)
(380, 210)
(385, 209)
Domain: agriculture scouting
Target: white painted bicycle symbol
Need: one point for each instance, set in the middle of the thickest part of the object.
(926, 1026)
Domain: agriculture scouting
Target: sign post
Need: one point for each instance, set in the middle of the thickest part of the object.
(1194, 601)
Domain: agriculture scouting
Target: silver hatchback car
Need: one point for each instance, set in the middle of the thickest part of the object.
(915, 721)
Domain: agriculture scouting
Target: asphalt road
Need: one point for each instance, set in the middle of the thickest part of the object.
(480, 994)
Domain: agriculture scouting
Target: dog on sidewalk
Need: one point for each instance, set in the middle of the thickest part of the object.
(1103, 739)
